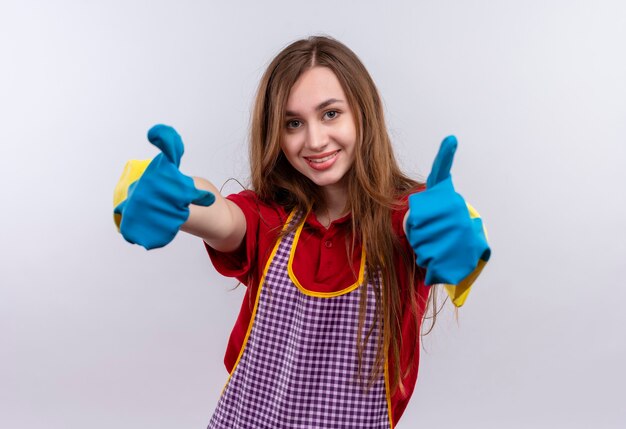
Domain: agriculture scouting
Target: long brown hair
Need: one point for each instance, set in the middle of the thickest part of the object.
(375, 183)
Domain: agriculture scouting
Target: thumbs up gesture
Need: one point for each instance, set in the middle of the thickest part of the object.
(446, 234)
(152, 199)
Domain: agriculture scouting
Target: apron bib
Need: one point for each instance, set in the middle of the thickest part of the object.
(298, 365)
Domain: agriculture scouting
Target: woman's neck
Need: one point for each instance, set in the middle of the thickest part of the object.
(335, 205)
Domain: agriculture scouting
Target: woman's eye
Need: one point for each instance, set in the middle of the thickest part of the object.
(331, 114)
(293, 123)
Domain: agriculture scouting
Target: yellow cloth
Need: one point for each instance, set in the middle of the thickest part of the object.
(458, 293)
(132, 172)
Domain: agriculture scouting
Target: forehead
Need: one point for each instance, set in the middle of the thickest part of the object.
(314, 86)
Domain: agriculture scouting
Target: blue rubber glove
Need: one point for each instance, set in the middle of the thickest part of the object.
(447, 237)
(157, 204)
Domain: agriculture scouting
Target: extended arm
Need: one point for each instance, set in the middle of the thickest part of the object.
(221, 225)
(153, 200)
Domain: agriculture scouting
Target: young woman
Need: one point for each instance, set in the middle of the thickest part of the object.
(334, 243)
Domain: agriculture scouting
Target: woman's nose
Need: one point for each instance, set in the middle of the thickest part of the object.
(316, 138)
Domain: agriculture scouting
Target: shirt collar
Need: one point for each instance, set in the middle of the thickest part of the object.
(314, 222)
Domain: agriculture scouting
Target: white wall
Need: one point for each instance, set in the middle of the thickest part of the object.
(98, 333)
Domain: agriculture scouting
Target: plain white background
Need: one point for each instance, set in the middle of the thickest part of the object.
(98, 333)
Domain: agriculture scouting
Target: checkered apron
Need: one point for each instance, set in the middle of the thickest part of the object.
(298, 368)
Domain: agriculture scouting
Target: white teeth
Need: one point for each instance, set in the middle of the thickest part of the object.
(320, 160)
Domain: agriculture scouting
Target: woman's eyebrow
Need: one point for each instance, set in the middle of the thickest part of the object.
(327, 103)
(319, 107)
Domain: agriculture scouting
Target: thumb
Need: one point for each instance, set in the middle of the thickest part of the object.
(204, 198)
(168, 141)
(443, 162)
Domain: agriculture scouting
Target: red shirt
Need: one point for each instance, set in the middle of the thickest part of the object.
(320, 263)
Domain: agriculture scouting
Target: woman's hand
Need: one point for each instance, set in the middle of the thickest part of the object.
(152, 198)
(446, 234)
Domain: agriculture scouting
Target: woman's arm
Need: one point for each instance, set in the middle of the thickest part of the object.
(222, 225)
(153, 200)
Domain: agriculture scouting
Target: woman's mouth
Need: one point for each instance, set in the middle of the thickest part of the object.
(322, 161)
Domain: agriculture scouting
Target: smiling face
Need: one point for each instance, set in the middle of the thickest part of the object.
(319, 134)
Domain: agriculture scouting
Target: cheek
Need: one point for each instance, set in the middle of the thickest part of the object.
(290, 144)
(284, 144)
(289, 151)
(349, 138)
(348, 132)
